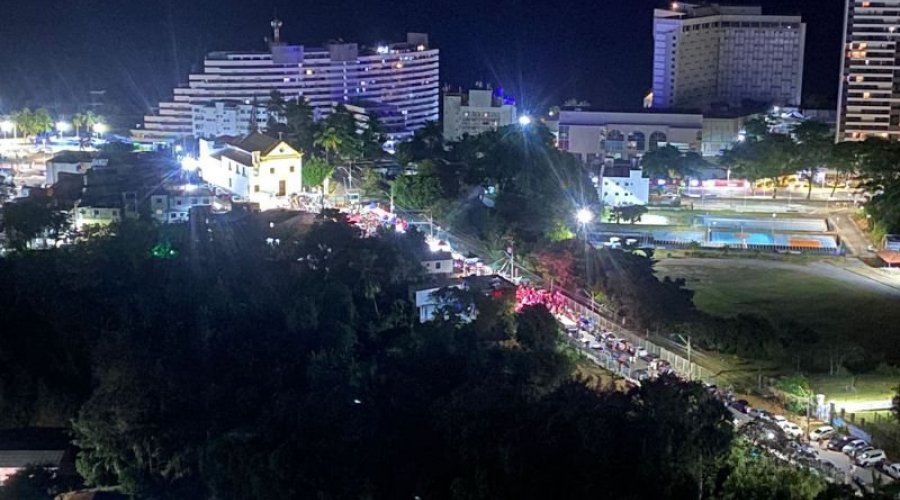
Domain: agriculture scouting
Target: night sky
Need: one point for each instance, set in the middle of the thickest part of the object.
(543, 52)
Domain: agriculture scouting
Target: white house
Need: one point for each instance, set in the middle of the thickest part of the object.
(96, 214)
(256, 167)
(174, 205)
(623, 186)
(438, 263)
(71, 162)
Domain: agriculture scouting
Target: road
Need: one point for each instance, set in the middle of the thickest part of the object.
(607, 358)
(841, 461)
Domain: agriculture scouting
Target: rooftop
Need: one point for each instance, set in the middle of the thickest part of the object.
(256, 141)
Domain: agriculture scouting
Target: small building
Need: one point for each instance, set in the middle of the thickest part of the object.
(47, 447)
(891, 242)
(476, 111)
(440, 262)
(430, 300)
(623, 185)
(71, 162)
(255, 167)
(97, 213)
(174, 205)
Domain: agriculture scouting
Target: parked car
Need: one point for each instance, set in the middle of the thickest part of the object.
(893, 470)
(754, 412)
(791, 429)
(778, 419)
(641, 352)
(837, 442)
(853, 444)
(822, 433)
(859, 451)
(740, 405)
(870, 458)
(802, 450)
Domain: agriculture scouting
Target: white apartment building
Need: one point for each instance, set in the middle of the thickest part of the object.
(596, 136)
(868, 101)
(723, 55)
(475, 111)
(232, 118)
(257, 167)
(404, 75)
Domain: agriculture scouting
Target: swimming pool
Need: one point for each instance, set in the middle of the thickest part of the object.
(773, 224)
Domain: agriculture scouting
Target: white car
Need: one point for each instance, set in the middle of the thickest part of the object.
(893, 470)
(822, 433)
(778, 419)
(854, 444)
(870, 458)
(791, 429)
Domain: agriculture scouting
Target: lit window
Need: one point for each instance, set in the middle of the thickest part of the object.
(867, 95)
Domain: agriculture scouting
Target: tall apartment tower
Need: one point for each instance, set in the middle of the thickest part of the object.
(401, 78)
(710, 55)
(869, 98)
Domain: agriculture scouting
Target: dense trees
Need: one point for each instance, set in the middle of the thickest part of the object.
(239, 370)
(29, 219)
(669, 163)
(30, 123)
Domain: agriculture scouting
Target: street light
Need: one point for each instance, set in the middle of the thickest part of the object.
(7, 126)
(524, 120)
(62, 127)
(100, 129)
(584, 216)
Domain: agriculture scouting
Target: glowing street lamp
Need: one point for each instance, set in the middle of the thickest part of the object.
(524, 120)
(189, 164)
(584, 216)
(100, 129)
(7, 126)
(63, 127)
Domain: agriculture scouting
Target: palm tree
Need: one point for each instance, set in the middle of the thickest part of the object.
(330, 140)
(78, 121)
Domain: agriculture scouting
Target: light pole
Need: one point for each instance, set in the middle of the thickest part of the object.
(62, 127)
(584, 216)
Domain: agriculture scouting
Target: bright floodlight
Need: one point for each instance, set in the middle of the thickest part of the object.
(189, 164)
(7, 126)
(100, 128)
(524, 120)
(190, 187)
(62, 126)
(584, 215)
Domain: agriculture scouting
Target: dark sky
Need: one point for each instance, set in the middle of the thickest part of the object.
(541, 51)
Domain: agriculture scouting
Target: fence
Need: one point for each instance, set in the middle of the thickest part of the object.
(681, 365)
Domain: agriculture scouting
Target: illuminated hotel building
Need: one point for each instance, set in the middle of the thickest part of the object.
(711, 55)
(869, 98)
(400, 77)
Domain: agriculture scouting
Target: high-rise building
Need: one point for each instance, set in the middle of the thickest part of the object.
(402, 75)
(476, 111)
(869, 97)
(711, 55)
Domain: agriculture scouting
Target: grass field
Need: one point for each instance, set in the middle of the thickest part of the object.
(875, 387)
(833, 301)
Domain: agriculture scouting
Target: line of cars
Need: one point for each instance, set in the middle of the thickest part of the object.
(860, 452)
(624, 352)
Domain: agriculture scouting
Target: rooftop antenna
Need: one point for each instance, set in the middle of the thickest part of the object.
(276, 30)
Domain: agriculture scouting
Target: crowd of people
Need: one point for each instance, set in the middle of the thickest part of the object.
(527, 295)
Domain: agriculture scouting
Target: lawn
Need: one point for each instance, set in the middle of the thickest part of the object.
(832, 301)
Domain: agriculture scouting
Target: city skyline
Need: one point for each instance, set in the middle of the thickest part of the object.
(541, 54)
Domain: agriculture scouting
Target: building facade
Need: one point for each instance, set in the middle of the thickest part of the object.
(403, 75)
(169, 206)
(597, 136)
(869, 97)
(623, 185)
(715, 55)
(257, 168)
(475, 111)
(232, 118)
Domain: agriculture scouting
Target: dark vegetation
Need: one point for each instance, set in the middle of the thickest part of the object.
(238, 370)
